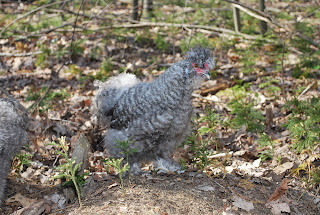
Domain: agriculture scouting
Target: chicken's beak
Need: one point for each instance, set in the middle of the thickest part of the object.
(207, 74)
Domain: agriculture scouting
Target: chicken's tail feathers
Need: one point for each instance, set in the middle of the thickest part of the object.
(108, 94)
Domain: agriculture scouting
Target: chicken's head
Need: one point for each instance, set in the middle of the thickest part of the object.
(199, 62)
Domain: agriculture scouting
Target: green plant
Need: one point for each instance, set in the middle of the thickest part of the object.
(248, 59)
(200, 150)
(68, 170)
(21, 161)
(210, 121)
(201, 154)
(161, 43)
(196, 40)
(106, 68)
(269, 85)
(96, 52)
(42, 58)
(124, 146)
(242, 109)
(47, 102)
(303, 123)
(116, 164)
(76, 49)
(312, 175)
(308, 65)
(266, 142)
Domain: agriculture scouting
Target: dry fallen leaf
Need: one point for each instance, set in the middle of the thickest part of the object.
(280, 190)
(241, 203)
(36, 208)
(18, 198)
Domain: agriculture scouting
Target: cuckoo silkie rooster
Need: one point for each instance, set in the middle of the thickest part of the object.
(155, 116)
(13, 134)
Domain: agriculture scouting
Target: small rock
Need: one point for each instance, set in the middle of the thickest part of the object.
(316, 200)
(192, 174)
(36, 164)
(200, 175)
(61, 202)
(55, 197)
(205, 188)
(27, 174)
(44, 179)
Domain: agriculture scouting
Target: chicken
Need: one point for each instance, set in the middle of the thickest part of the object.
(155, 116)
(13, 125)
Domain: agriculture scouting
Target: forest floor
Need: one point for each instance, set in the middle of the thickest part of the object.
(228, 169)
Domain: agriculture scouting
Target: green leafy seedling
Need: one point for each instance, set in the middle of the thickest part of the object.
(124, 146)
(265, 141)
(21, 160)
(116, 164)
(244, 113)
(303, 123)
(68, 170)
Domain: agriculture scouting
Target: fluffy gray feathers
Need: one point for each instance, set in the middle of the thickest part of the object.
(13, 126)
(156, 115)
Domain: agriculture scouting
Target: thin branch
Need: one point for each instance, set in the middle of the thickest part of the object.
(73, 33)
(247, 11)
(261, 13)
(55, 75)
(74, 13)
(20, 54)
(282, 68)
(36, 104)
(176, 25)
(30, 12)
(306, 90)
(270, 20)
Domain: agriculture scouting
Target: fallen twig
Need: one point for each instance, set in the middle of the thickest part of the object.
(176, 25)
(30, 12)
(306, 90)
(20, 54)
(267, 18)
(55, 75)
(247, 11)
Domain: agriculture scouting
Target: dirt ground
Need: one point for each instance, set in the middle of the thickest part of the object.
(188, 193)
(239, 184)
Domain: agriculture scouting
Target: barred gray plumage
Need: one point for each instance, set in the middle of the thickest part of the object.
(156, 115)
(13, 125)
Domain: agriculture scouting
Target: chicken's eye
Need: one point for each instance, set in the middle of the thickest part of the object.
(196, 65)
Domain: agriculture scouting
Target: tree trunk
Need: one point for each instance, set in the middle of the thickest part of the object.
(147, 8)
(263, 24)
(135, 9)
(236, 19)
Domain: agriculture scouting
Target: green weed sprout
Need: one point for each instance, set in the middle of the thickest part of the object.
(303, 123)
(23, 159)
(243, 110)
(116, 164)
(124, 146)
(69, 169)
(265, 141)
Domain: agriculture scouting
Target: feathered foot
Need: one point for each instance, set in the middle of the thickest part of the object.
(166, 165)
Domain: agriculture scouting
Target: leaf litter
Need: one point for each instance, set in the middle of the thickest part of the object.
(164, 194)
